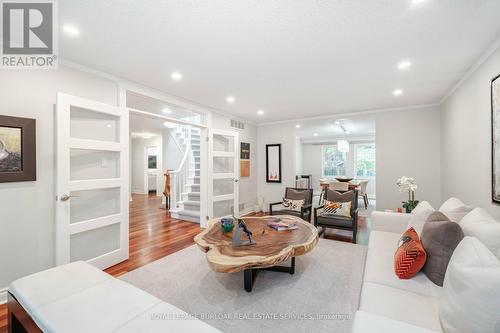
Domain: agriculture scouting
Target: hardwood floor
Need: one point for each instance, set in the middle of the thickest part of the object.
(155, 234)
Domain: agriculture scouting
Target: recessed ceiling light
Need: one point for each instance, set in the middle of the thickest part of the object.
(398, 92)
(71, 30)
(109, 125)
(404, 65)
(260, 112)
(166, 111)
(297, 126)
(417, 2)
(315, 134)
(230, 99)
(176, 76)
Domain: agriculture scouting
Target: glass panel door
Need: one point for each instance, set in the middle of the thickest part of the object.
(92, 182)
(223, 170)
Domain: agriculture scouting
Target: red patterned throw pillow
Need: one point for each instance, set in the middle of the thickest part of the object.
(410, 256)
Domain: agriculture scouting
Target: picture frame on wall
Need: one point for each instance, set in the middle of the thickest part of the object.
(495, 139)
(273, 163)
(17, 149)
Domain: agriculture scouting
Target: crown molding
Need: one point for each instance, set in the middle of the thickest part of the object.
(350, 114)
(486, 55)
(121, 82)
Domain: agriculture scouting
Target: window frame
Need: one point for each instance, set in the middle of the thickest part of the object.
(323, 148)
(355, 159)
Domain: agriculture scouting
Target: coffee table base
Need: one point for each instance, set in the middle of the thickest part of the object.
(251, 274)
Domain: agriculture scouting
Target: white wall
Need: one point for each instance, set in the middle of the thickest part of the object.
(466, 139)
(284, 134)
(27, 222)
(248, 187)
(139, 165)
(408, 144)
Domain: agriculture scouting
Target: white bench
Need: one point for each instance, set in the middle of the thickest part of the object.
(78, 297)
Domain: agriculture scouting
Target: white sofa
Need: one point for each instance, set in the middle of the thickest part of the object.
(389, 304)
(414, 301)
(78, 297)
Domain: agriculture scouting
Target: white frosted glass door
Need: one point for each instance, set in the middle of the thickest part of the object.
(92, 182)
(223, 170)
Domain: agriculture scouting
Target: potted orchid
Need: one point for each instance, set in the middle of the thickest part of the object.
(408, 184)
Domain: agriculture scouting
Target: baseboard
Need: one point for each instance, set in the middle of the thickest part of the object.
(3, 295)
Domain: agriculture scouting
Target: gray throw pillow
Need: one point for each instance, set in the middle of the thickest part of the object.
(439, 237)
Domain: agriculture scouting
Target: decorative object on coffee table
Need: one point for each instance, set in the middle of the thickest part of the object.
(272, 247)
(408, 184)
(227, 224)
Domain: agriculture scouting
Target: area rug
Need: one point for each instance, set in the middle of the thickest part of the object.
(322, 295)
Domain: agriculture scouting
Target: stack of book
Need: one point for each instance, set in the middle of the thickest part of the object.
(280, 225)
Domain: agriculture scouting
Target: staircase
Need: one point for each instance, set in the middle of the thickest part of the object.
(186, 179)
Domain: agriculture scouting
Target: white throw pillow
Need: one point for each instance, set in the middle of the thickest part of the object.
(418, 220)
(454, 209)
(471, 290)
(422, 207)
(477, 215)
(478, 223)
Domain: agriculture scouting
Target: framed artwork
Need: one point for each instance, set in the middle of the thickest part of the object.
(495, 139)
(17, 149)
(245, 168)
(244, 151)
(273, 163)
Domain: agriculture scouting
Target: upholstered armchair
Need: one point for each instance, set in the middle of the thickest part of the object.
(295, 194)
(321, 219)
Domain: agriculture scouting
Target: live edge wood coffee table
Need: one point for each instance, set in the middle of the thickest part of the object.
(272, 248)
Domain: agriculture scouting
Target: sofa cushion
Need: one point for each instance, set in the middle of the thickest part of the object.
(417, 220)
(454, 209)
(478, 223)
(422, 206)
(410, 255)
(56, 283)
(440, 238)
(401, 305)
(477, 216)
(163, 318)
(368, 322)
(379, 268)
(101, 308)
(383, 240)
(471, 290)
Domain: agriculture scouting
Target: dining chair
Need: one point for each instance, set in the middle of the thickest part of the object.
(362, 192)
(339, 186)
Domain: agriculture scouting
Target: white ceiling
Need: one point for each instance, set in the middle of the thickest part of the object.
(357, 127)
(144, 125)
(292, 58)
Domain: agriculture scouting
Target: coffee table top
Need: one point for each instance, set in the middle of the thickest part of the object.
(272, 246)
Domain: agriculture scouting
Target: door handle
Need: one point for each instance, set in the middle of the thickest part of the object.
(236, 180)
(66, 197)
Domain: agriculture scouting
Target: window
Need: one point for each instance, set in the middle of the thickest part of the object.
(334, 162)
(364, 163)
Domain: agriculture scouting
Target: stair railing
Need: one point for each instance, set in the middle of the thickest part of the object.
(180, 176)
